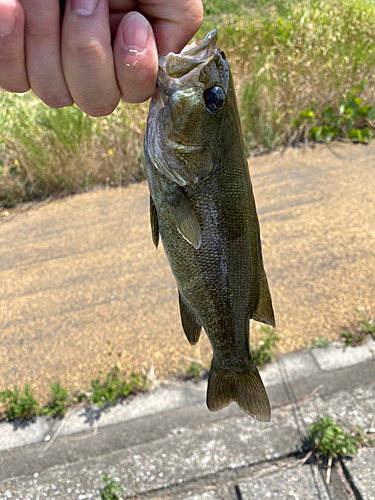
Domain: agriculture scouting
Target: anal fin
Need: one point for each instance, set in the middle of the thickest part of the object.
(154, 223)
(246, 388)
(264, 312)
(190, 324)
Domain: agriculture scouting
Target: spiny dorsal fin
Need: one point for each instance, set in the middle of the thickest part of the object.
(264, 312)
(190, 324)
(154, 223)
(245, 388)
(183, 216)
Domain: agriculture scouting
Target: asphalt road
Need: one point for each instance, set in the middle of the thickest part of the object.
(80, 272)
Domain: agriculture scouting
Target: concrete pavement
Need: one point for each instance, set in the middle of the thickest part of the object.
(166, 444)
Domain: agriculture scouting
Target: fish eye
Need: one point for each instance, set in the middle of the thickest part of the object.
(214, 98)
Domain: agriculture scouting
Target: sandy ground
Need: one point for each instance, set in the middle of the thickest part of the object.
(78, 273)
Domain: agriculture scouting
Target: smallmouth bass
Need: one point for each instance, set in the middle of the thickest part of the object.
(202, 205)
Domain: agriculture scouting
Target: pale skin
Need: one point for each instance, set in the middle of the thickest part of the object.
(93, 54)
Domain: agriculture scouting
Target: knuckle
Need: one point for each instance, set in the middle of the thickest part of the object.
(195, 13)
(10, 59)
(92, 49)
(42, 33)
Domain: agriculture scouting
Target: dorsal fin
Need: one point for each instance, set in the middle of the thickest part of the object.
(264, 312)
(190, 324)
(154, 223)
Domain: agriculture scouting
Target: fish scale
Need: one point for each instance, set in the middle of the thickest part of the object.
(202, 205)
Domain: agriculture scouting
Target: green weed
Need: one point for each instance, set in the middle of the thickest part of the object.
(191, 369)
(321, 341)
(19, 405)
(195, 370)
(112, 387)
(364, 328)
(330, 440)
(22, 404)
(59, 402)
(351, 120)
(110, 489)
(266, 350)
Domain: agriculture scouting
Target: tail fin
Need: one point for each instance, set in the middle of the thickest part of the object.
(245, 388)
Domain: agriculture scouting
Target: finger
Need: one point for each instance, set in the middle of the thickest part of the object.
(136, 58)
(13, 75)
(88, 57)
(43, 55)
(175, 22)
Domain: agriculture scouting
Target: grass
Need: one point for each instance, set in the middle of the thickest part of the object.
(265, 351)
(288, 57)
(21, 404)
(63, 151)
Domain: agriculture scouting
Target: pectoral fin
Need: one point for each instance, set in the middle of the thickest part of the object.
(154, 223)
(264, 312)
(190, 324)
(183, 216)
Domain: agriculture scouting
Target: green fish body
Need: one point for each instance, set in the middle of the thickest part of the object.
(202, 205)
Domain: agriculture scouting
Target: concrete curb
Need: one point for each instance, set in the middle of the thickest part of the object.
(171, 396)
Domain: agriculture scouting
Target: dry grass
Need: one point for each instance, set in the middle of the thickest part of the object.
(46, 151)
(285, 56)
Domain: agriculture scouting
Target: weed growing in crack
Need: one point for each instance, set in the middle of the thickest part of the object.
(110, 489)
(364, 328)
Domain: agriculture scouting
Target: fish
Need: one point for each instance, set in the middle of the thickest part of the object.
(202, 207)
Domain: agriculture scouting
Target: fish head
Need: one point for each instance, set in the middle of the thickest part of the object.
(188, 110)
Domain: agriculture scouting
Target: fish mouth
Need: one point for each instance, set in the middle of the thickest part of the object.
(181, 70)
(196, 54)
(192, 56)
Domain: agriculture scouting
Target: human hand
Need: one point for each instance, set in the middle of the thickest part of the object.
(70, 58)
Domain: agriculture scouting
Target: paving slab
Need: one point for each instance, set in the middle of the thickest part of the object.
(298, 483)
(187, 454)
(297, 365)
(339, 356)
(183, 456)
(362, 472)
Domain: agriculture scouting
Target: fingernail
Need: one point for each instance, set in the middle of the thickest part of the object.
(7, 17)
(135, 32)
(83, 7)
